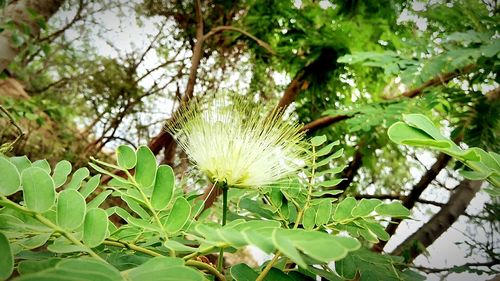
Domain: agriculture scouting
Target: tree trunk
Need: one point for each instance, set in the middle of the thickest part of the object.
(21, 13)
(413, 246)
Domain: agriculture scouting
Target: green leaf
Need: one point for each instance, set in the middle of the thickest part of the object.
(393, 209)
(401, 133)
(474, 175)
(97, 201)
(61, 248)
(277, 275)
(425, 124)
(11, 179)
(38, 189)
(179, 215)
(313, 244)
(494, 192)
(344, 209)
(126, 157)
(243, 272)
(326, 149)
(378, 230)
(77, 178)
(330, 183)
(9, 222)
(318, 140)
(324, 211)
(255, 208)
(179, 247)
(163, 188)
(36, 241)
(61, 172)
(43, 164)
(365, 207)
(119, 179)
(369, 266)
(90, 186)
(332, 192)
(95, 227)
(135, 206)
(33, 266)
(21, 162)
(309, 218)
(6, 258)
(146, 167)
(328, 159)
(285, 246)
(142, 223)
(81, 269)
(332, 171)
(164, 269)
(71, 209)
(276, 197)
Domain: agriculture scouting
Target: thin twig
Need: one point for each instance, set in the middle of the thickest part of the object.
(13, 123)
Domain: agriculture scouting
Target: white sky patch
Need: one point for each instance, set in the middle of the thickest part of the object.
(408, 16)
(325, 4)
(297, 4)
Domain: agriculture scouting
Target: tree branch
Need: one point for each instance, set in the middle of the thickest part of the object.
(324, 122)
(469, 264)
(417, 190)
(246, 33)
(395, 197)
(197, 53)
(439, 223)
(439, 79)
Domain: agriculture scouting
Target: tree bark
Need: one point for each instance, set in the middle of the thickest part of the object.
(324, 122)
(352, 169)
(315, 71)
(440, 79)
(413, 246)
(20, 13)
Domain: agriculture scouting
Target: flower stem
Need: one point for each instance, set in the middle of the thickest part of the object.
(224, 205)
(220, 260)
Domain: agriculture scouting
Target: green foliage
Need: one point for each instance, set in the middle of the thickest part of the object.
(352, 58)
(372, 266)
(418, 130)
(12, 183)
(6, 259)
(161, 221)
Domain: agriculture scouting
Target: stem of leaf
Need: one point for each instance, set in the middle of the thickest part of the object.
(207, 250)
(268, 267)
(309, 190)
(220, 260)
(151, 209)
(197, 264)
(207, 267)
(68, 236)
(118, 243)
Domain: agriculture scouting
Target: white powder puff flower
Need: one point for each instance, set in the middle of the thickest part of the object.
(237, 146)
